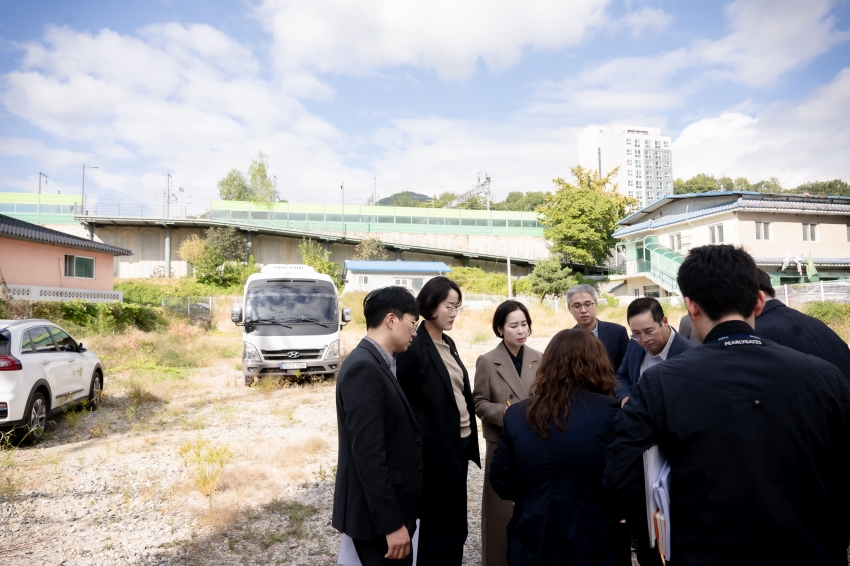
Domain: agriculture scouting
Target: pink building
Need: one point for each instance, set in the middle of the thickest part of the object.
(40, 264)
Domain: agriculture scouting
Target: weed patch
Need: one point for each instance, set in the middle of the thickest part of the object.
(205, 462)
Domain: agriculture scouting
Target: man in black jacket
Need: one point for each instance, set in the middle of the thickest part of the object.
(379, 469)
(799, 331)
(583, 302)
(757, 435)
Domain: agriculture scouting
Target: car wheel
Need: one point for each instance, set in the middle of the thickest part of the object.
(36, 419)
(249, 381)
(95, 391)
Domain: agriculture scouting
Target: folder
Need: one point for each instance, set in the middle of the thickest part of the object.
(656, 470)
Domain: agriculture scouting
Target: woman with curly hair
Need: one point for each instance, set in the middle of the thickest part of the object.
(550, 457)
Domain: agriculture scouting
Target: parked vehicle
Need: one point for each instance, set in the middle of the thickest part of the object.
(291, 321)
(42, 371)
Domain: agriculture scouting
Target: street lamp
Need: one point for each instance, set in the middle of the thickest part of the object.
(83, 204)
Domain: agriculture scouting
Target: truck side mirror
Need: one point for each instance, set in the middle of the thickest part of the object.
(346, 315)
(236, 314)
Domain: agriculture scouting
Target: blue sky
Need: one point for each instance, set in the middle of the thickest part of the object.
(420, 95)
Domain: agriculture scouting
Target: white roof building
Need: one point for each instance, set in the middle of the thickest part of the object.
(369, 275)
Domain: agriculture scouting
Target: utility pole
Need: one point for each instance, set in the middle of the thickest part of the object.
(40, 175)
(83, 204)
(168, 196)
(275, 188)
(599, 157)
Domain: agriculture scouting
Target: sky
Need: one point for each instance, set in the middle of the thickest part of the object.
(404, 95)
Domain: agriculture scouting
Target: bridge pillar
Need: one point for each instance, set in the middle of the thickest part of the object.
(398, 255)
(91, 231)
(250, 244)
(168, 251)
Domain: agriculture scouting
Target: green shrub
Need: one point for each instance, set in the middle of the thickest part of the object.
(476, 280)
(102, 318)
(151, 291)
(835, 315)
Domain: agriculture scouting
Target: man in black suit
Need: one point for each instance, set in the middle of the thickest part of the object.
(379, 468)
(799, 331)
(756, 434)
(583, 302)
(654, 342)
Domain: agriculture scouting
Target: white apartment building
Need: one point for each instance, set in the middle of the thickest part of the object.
(643, 155)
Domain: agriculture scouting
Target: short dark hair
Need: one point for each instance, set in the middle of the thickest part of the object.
(644, 304)
(435, 292)
(380, 302)
(720, 278)
(765, 284)
(502, 312)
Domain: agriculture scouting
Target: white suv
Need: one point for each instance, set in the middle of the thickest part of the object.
(43, 370)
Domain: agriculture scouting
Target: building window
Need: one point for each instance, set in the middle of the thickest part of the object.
(657, 144)
(628, 161)
(628, 141)
(667, 175)
(665, 144)
(362, 279)
(667, 165)
(667, 186)
(631, 183)
(666, 155)
(715, 234)
(810, 232)
(76, 266)
(629, 172)
(637, 174)
(638, 184)
(647, 143)
(763, 230)
(637, 153)
(848, 232)
(402, 282)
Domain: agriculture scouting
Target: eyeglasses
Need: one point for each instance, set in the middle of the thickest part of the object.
(453, 309)
(647, 334)
(578, 306)
(415, 323)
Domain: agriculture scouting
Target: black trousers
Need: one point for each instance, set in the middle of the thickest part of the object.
(372, 552)
(636, 519)
(443, 519)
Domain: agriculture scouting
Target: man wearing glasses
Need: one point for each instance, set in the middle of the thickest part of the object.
(583, 302)
(653, 342)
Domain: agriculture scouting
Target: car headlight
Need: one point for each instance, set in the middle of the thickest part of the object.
(333, 350)
(251, 354)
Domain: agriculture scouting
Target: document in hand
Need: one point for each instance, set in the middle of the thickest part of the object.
(348, 555)
(656, 471)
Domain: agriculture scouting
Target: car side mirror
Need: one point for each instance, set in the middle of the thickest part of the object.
(346, 315)
(81, 347)
(236, 314)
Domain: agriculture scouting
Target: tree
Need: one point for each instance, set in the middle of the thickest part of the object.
(313, 254)
(517, 200)
(580, 219)
(741, 184)
(550, 278)
(836, 187)
(227, 243)
(257, 187)
(233, 186)
(770, 186)
(370, 249)
(192, 250)
(700, 183)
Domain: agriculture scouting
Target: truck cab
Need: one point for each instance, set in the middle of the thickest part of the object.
(291, 321)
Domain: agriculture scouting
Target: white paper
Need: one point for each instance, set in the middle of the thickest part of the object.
(661, 495)
(653, 463)
(348, 554)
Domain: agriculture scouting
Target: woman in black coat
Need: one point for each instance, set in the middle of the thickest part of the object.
(551, 454)
(437, 386)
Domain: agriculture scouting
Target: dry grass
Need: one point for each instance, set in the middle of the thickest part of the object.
(205, 461)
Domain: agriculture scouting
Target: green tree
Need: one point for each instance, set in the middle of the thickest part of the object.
(192, 249)
(234, 186)
(836, 187)
(741, 184)
(769, 186)
(229, 244)
(580, 219)
(370, 249)
(517, 200)
(725, 184)
(256, 187)
(313, 254)
(700, 183)
(549, 277)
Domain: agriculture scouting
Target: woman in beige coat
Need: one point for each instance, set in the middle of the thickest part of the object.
(503, 377)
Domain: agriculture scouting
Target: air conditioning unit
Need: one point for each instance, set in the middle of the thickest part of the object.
(277, 267)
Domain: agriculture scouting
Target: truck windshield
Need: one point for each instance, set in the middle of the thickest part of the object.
(291, 301)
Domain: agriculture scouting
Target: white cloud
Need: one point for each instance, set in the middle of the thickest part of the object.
(769, 38)
(794, 142)
(638, 21)
(337, 36)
